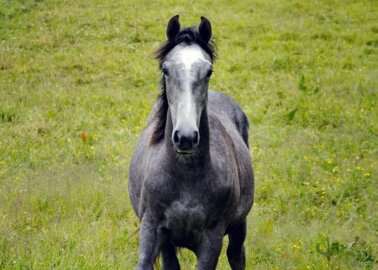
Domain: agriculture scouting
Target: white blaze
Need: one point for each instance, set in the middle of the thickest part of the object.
(185, 112)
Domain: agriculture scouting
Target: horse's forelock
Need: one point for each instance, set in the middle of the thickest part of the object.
(188, 35)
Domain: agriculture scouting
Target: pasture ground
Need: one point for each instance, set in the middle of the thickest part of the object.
(77, 82)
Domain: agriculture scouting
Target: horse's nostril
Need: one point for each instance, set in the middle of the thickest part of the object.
(195, 137)
(176, 139)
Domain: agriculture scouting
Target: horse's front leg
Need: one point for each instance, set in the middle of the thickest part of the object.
(210, 249)
(149, 244)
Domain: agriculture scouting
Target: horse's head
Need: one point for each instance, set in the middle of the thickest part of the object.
(187, 67)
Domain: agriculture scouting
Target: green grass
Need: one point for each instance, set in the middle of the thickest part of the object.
(77, 82)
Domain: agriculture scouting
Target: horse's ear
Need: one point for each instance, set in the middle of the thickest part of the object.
(173, 27)
(204, 29)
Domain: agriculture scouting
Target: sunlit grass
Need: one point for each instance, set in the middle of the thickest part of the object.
(77, 82)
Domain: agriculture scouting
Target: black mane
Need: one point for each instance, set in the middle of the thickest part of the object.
(189, 36)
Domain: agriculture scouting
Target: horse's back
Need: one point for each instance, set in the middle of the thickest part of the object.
(223, 105)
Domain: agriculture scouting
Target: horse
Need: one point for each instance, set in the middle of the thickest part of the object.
(190, 178)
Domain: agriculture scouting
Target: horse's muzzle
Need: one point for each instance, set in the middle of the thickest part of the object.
(185, 142)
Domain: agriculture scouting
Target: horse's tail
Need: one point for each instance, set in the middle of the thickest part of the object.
(242, 124)
(245, 128)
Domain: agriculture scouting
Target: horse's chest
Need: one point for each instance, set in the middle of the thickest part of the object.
(185, 221)
(186, 208)
(191, 212)
(185, 214)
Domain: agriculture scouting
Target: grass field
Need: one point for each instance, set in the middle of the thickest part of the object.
(77, 82)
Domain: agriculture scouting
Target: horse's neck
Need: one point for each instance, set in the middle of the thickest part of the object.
(203, 148)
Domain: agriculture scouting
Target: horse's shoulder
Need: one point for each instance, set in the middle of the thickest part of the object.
(144, 155)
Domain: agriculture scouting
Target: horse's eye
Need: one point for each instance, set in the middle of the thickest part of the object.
(209, 73)
(165, 71)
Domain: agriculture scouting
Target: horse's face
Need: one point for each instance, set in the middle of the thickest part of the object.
(187, 71)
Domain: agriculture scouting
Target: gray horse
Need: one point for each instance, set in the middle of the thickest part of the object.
(191, 180)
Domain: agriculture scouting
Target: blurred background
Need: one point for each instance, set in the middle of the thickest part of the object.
(77, 82)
